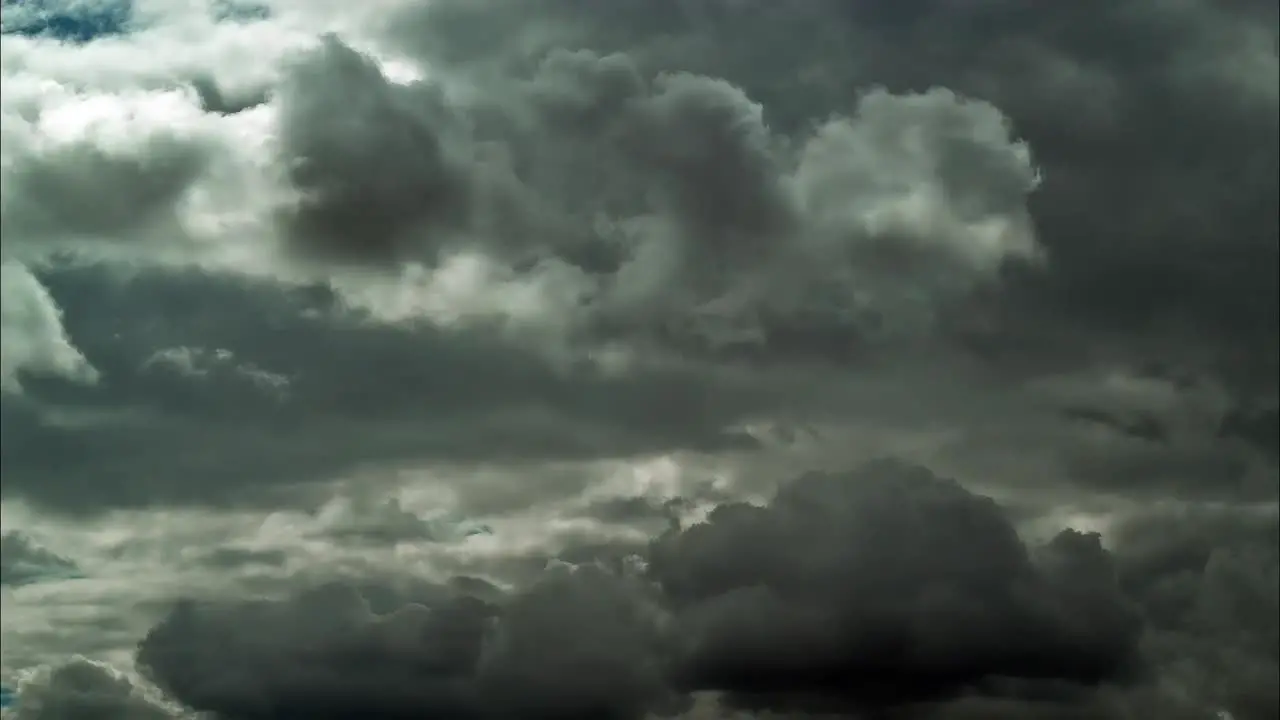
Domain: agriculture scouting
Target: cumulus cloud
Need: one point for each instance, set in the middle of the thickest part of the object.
(700, 219)
(883, 588)
(883, 585)
(363, 155)
(423, 659)
(81, 688)
(1207, 580)
(661, 179)
(318, 278)
(1092, 105)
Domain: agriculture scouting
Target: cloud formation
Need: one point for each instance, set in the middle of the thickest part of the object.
(886, 588)
(287, 283)
(699, 218)
(80, 688)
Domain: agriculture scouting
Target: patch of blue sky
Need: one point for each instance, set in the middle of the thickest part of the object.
(22, 574)
(77, 21)
(239, 10)
(23, 562)
(460, 528)
(83, 21)
(477, 529)
(448, 529)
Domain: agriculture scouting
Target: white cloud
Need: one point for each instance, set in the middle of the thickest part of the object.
(32, 339)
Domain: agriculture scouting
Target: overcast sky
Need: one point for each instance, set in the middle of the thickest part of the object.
(627, 359)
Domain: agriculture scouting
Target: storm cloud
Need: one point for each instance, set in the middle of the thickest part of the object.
(642, 288)
(881, 587)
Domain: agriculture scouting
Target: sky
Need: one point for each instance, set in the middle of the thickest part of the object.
(638, 359)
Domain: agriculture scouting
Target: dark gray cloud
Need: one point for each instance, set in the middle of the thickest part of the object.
(883, 590)
(683, 197)
(1207, 582)
(666, 196)
(1256, 425)
(1039, 239)
(215, 390)
(1160, 229)
(665, 157)
(1139, 431)
(90, 190)
(327, 655)
(365, 157)
(1140, 427)
(301, 391)
(887, 585)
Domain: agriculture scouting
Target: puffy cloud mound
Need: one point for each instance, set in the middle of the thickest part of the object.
(81, 689)
(653, 202)
(888, 585)
(1209, 584)
(880, 588)
(663, 201)
(578, 645)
